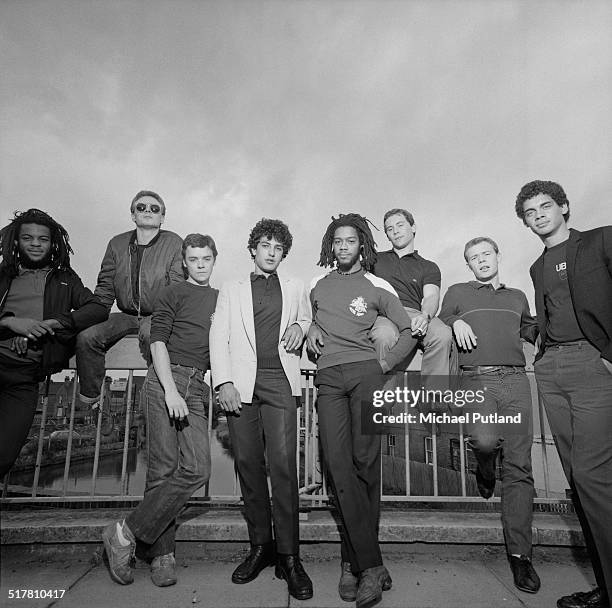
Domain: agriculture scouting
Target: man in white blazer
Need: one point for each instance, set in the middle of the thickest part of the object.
(259, 326)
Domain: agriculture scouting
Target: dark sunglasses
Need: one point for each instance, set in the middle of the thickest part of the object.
(140, 207)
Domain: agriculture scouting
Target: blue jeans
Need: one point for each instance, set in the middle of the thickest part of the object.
(507, 393)
(93, 342)
(576, 389)
(178, 462)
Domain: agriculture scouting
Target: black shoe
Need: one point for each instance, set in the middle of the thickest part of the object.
(486, 485)
(595, 598)
(289, 568)
(525, 577)
(260, 557)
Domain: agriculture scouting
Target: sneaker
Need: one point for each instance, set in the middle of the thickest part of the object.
(119, 555)
(163, 570)
(347, 586)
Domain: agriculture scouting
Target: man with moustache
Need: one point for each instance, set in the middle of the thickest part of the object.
(345, 304)
(488, 320)
(573, 293)
(256, 338)
(136, 266)
(43, 304)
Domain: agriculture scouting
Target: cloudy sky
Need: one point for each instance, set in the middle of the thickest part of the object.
(301, 110)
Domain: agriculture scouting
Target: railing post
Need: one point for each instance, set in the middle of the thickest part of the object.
(41, 437)
(126, 436)
(94, 472)
(70, 435)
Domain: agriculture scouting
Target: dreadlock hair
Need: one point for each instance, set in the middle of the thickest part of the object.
(366, 240)
(9, 237)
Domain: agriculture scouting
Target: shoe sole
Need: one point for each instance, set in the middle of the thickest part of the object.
(527, 590)
(166, 583)
(347, 598)
(108, 550)
(279, 573)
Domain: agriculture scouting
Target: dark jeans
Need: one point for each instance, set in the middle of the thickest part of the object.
(507, 393)
(93, 342)
(352, 458)
(576, 389)
(18, 399)
(266, 430)
(178, 462)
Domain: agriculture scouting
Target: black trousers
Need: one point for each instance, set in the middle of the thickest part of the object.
(18, 398)
(266, 430)
(352, 457)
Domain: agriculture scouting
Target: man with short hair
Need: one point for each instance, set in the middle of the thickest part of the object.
(345, 304)
(256, 338)
(136, 266)
(43, 304)
(488, 320)
(573, 367)
(178, 454)
(417, 283)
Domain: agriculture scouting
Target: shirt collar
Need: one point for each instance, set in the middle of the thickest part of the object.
(479, 285)
(255, 276)
(412, 254)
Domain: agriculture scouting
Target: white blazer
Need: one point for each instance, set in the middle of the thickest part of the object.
(233, 354)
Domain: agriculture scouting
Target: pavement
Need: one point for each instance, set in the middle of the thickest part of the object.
(437, 560)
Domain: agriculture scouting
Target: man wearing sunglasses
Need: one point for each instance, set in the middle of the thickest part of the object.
(136, 266)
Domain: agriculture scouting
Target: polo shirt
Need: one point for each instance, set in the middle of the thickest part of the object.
(407, 275)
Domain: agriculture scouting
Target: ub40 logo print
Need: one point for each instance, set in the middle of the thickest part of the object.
(358, 307)
(562, 270)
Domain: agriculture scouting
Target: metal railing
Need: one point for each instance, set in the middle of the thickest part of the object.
(437, 475)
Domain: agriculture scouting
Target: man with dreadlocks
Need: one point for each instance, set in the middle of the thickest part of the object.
(345, 304)
(43, 304)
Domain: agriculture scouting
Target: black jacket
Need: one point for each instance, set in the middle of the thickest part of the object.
(68, 301)
(589, 274)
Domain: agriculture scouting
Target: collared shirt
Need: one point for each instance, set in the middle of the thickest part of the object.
(26, 299)
(407, 274)
(498, 317)
(267, 311)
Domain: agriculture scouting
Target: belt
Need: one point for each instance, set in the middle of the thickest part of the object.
(572, 344)
(487, 369)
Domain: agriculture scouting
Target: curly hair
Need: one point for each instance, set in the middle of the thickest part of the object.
(9, 237)
(271, 229)
(552, 189)
(366, 240)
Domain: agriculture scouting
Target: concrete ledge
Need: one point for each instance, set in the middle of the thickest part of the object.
(228, 525)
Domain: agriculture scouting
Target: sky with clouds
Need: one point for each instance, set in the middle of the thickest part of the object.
(235, 110)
